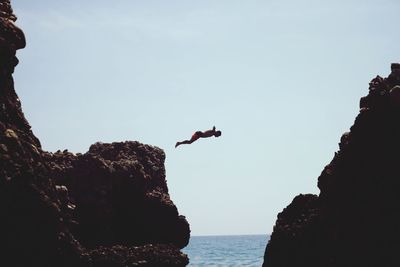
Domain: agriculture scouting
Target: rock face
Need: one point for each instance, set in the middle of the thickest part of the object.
(355, 220)
(107, 207)
(120, 194)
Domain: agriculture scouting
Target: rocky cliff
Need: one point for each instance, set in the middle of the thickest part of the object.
(107, 207)
(355, 220)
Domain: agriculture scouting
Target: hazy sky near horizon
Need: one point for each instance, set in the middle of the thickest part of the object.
(281, 79)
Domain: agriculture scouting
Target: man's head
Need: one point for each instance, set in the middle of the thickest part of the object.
(217, 134)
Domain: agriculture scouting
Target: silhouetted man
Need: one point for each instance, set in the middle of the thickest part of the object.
(200, 134)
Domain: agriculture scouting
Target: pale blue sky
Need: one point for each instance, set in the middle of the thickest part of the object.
(281, 79)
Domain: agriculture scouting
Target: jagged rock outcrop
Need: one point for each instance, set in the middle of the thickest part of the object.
(107, 207)
(355, 220)
(120, 194)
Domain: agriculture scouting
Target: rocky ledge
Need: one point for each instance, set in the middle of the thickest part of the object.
(355, 220)
(107, 207)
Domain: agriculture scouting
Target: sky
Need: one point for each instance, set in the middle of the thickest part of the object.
(281, 79)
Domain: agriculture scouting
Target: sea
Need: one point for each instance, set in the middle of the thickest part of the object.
(226, 251)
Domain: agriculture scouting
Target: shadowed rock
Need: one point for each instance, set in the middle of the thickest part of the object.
(120, 194)
(355, 219)
(108, 207)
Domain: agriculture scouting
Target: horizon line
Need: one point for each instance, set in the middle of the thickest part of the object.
(221, 235)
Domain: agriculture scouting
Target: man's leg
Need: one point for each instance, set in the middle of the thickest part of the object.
(186, 142)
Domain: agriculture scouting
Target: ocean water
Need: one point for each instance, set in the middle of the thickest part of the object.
(223, 251)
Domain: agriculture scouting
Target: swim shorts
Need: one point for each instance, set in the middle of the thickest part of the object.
(196, 135)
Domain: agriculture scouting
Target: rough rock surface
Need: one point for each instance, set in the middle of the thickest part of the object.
(355, 220)
(107, 207)
(120, 194)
